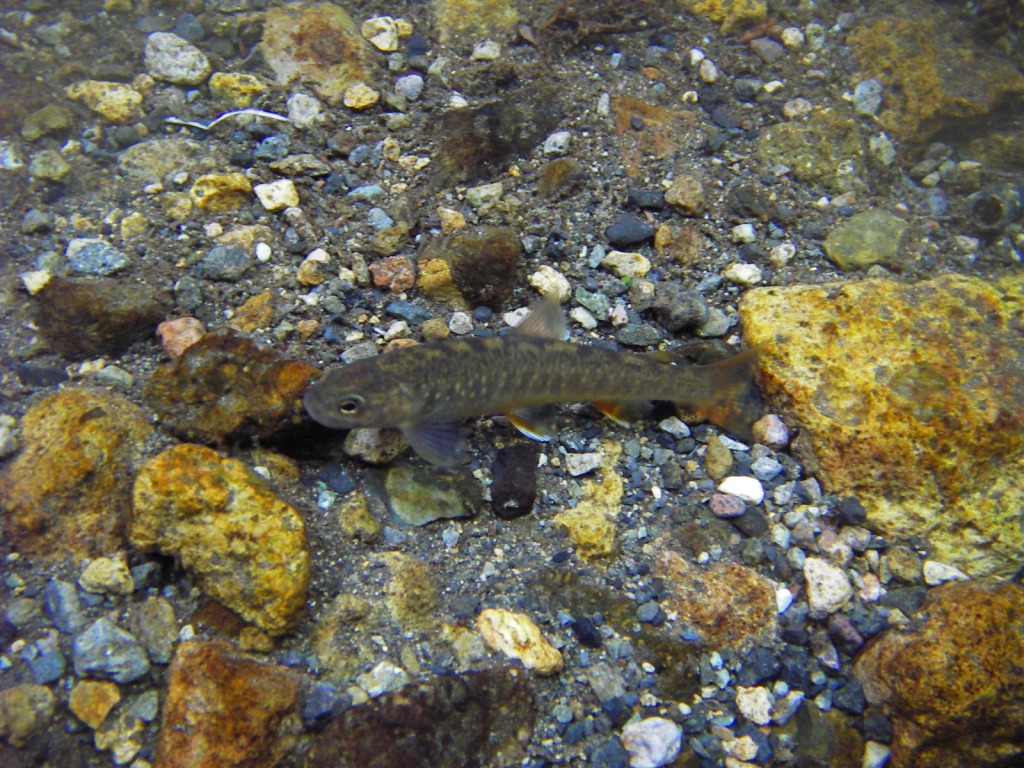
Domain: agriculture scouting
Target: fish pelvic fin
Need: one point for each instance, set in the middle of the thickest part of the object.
(626, 412)
(546, 320)
(440, 443)
(537, 422)
(732, 400)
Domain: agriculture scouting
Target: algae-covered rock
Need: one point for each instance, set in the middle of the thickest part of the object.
(591, 523)
(418, 495)
(866, 238)
(908, 397)
(245, 547)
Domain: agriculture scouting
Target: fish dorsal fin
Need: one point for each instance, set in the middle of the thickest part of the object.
(545, 321)
(439, 443)
(624, 412)
(536, 422)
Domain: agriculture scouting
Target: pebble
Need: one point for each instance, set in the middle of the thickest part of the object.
(742, 273)
(548, 281)
(771, 431)
(382, 32)
(36, 222)
(626, 265)
(516, 636)
(686, 195)
(461, 323)
(374, 446)
(62, 603)
(224, 262)
(828, 587)
(47, 663)
(766, 468)
(105, 650)
(876, 755)
(277, 195)
(725, 506)
(383, 678)
(557, 143)
(24, 711)
(488, 50)
(156, 628)
(360, 96)
(93, 256)
(577, 464)
(743, 233)
(410, 86)
(707, 71)
(485, 196)
(798, 107)
(170, 58)
(586, 320)
(49, 164)
(747, 488)
(792, 37)
(867, 96)
(92, 700)
(767, 49)
(936, 573)
(652, 742)
(628, 230)
(178, 334)
(304, 110)
(106, 575)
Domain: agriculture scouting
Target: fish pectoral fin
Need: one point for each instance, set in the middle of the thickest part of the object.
(546, 320)
(439, 443)
(536, 422)
(624, 412)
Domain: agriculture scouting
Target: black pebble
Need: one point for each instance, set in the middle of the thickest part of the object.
(852, 512)
(514, 488)
(629, 230)
(850, 698)
(336, 478)
(587, 633)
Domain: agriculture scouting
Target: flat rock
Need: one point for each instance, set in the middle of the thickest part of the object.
(226, 710)
(226, 386)
(908, 398)
(24, 711)
(97, 316)
(516, 636)
(68, 490)
(951, 681)
(477, 718)
(245, 547)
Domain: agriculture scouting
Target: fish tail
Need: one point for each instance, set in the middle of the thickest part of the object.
(731, 399)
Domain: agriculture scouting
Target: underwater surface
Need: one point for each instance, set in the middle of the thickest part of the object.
(808, 554)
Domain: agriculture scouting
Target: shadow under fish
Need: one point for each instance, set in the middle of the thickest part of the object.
(427, 390)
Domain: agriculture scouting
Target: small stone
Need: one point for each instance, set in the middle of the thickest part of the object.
(725, 506)
(375, 446)
(236, 89)
(396, 273)
(766, 469)
(417, 496)
(686, 195)
(755, 704)
(92, 700)
(156, 628)
(92, 256)
(867, 96)
(652, 742)
(277, 195)
(179, 333)
(224, 262)
(313, 269)
(65, 609)
(747, 488)
(49, 164)
(170, 58)
(51, 119)
(626, 265)
(106, 575)
(577, 464)
(629, 230)
(36, 222)
(876, 755)
(557, 143)
(304, 110)
(550, 282)
(488, 50)
(451, 220)
(586, 320)
(115, 102)
(936, 573)
(771, 431)
(24, 711)
(410, 86)
(828, 587)
(460, 324)
(383, 678)
(220, 192)
(516, 636)
(46, 663)
(767, 49)
(105, 650)
(360, 96)
(382, 32)
(485, 196)
(792, 37)
(743, 233)
(743, 273)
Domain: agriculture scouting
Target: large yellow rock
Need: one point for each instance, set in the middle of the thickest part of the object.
(115, 102)
(591, 523)
(244, 546)
(908, 397)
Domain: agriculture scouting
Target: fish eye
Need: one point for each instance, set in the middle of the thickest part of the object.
(350, 405)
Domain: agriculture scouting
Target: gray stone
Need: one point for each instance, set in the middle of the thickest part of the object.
(224, 262)
(65, 609)
(47, 663)
(157, 629)
(170, 58)
(92, 256)
(104, 650)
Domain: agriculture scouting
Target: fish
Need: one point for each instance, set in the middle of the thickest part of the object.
(428, 390)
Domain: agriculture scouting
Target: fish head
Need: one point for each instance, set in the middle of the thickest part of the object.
(360, 395)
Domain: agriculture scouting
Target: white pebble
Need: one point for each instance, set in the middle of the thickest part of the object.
(382, 32)
(652, 742)
(460, 324)
(939, 573)
(169, 57)
(577, 464)
(876, 755)
(755, 704)
(707, 71)
(304, 110)
(798, 107)
(828, 587)
(674, 427)
(410, 86)
(277, 195)
(744, 487)
(792, 37)
(627, 264)
(263, 252)
(782, 254)
(557, 143)
(743, 233)
(548, 281)
(742, 273)
(783, 600)
(488, 50)
(586, 320)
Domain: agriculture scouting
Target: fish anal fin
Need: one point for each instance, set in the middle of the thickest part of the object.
(439, 443)
(536, 422)
(546, 320)
(624, 412)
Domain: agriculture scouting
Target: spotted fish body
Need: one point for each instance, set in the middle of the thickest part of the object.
(428, 390)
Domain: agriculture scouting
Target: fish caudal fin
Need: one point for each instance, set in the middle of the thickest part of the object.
(731, 400)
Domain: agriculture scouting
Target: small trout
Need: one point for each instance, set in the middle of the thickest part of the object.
(426, 391)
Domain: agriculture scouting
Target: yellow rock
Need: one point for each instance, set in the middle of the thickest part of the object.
(436, 281)
(355, 519)
(360, 96)
(591, 523)
(107, 576)
(412, 595)
(91, 701)
(117, 6)
(115, 102)
(236, 89)
(219, 192)
(909, 398)
(257, 312)
(134, 225)
(473, 19)
(516, 636)
(731, 14)
(451, 220)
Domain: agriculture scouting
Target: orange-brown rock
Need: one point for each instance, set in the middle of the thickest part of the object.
(225, 710)
(952, 680)
(245, 547)
(68, 491)
(226, 386)
(907, 397)
(726, 605)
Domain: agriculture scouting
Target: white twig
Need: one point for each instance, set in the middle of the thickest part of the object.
(225, 116)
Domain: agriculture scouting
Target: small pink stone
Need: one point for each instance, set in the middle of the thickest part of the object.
(724, 505)
(179, 333)
(771, 431)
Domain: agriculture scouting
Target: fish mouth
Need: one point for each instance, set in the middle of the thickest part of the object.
(320, 409)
